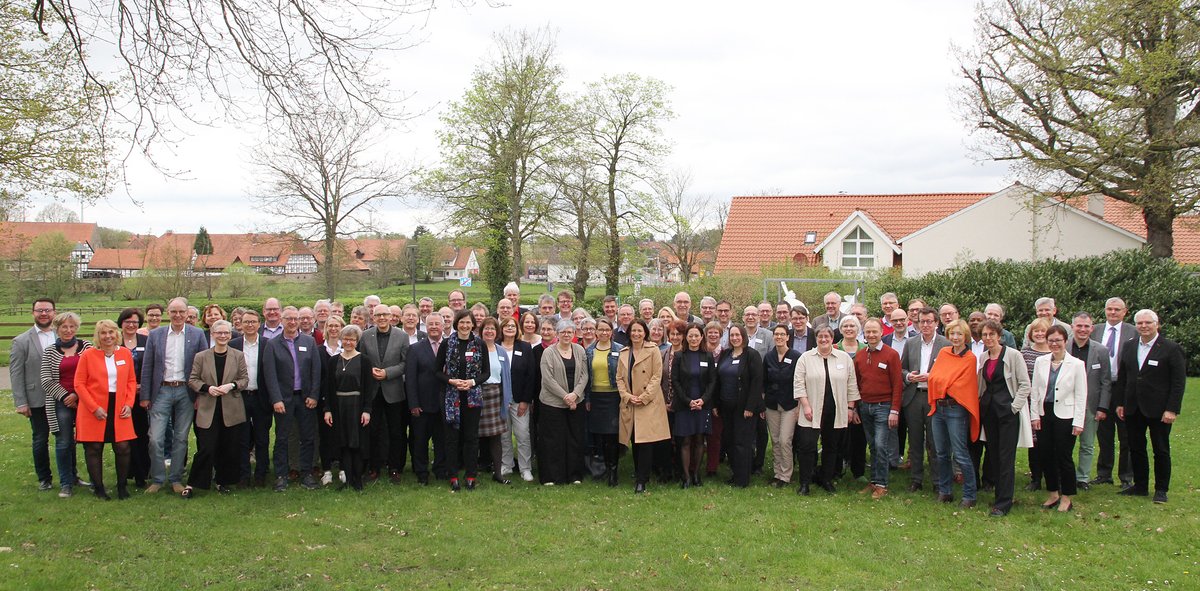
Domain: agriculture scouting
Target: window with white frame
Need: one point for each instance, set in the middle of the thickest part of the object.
(858, 250)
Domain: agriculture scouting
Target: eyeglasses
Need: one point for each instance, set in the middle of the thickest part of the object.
(927, 322)
(1055, 341)
(43, 311)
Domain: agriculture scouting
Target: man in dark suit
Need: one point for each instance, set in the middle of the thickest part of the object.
(254, 397)
(293, 378)
(166, 365)
(919, 355)
(425, 395)
(1110, 431)
(386, 349)
(1099, 381)
(1149, 394)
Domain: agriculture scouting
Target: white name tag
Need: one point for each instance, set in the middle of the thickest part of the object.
(470, 354)
(787, 360)
(518, 353)
(1095, 366)
(1152, 362)
(882, 366)
(737, 361)
(757, 341)
(120, 362)
(615, 353)
(703, 364)
(139, 348)
(502, 359)
(840, 366)
(302, 349)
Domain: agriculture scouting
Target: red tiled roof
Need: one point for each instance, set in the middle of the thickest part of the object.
(15, 236)
(765, 230)
(115, 259)
(1186, 230)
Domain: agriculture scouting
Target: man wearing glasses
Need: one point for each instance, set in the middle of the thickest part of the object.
(24, 370)
(919, 355)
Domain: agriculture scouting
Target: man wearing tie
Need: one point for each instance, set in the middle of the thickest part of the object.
(293, 379)
(1149, 395)
(1110, 429)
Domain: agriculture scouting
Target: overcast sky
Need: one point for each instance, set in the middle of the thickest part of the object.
(775, 97)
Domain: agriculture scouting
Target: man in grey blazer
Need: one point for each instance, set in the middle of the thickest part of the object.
(24, 370)
(1099, 383)
(386, 348)
(1110, 432)
(293, 378)
(919, 355)
(166, 365)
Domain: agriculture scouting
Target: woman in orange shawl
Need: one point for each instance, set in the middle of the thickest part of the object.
(954, 405)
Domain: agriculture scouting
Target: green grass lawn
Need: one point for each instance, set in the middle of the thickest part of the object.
(591, 537)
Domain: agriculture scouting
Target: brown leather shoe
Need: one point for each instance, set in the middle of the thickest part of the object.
(153, 488)
(879, 493)
(945, 498)
(178, 488)
(967, 504)
(870, 488)
(914, 486)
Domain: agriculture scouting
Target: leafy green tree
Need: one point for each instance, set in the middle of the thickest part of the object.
(1093, 96)
(53, 139)
(623, 117)
(498, 142)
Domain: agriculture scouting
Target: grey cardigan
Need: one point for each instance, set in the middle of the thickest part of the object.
(1016, 377)
(554, 376)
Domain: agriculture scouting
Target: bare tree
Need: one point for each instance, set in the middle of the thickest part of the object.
(1092, 96)
(578, 213)
(687, 215)
(56, 213)
(623, 117)
(173, 56)
(321, 181)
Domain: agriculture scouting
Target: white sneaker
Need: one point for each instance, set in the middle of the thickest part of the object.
(549, 484)
(505, 472)
(167, 462)
(342, 476)
(527, 476)
(326, 478)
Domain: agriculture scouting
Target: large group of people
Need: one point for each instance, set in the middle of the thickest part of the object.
(553, 392)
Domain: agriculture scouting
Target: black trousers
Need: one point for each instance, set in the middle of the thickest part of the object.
(257, 434)
(1160, 441)
(737, 437)
(398, 419)
(462, 442)
(376, 450)
(829, 439)
(1057, 446)
(352, 463)
(1002, 434)
(560, 445)
(643, 457)
(139, 466)
(760, 445)
(856, 449)
(217, 448)
(1111, 434)
(426, 428)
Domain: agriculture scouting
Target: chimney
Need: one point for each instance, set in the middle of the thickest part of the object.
(1095, 205)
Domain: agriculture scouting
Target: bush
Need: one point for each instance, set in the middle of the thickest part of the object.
(1081, 284)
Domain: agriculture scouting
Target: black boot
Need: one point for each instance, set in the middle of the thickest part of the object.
(612, 475)
(98, 490)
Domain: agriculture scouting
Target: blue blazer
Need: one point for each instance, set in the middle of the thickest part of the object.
(423, 389)
(154, 357)
(279, 370)
(612, 366)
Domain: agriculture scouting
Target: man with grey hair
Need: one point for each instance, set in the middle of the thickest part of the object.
(545, 305)
(708, 310)
(1045, 308)
(646, 309)
(166, 366)
(292, 369)
(683, 307)
(888, 302)
(621, 330)
(512, 293)
(272, 325)
(387, 349)
(1111, 433)
(322, 308)
(832, 316)
(994, 311)
(1148, 397)
(424, 309)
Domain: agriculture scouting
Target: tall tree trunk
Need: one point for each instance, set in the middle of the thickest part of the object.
(612, 274)
(330, 268)
(581, 262)
(1160, 232)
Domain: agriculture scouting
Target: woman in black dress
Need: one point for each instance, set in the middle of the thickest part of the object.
(349, 392)
(694, 380)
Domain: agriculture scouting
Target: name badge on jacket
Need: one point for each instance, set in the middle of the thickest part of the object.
(841, 366)
(1095, 366)
(517, 353)
(302, 349)
(736, 361)
(469, 354)
(882, 366)
(1152, 362)
(703, 364)
(787, 360)
(120, 362)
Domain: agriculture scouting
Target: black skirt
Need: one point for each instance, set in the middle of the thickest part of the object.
(605, 416)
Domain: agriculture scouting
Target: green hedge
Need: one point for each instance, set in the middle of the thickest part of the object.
(1077, 284)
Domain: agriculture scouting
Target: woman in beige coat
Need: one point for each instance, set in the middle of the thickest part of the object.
(218, 377)
(643, 407)
(827, 389)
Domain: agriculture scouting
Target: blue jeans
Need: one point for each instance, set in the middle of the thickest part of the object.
(41, 443)
(951, 433)
(304, 420)
(64, 444)
(175, 406)
(874, 417)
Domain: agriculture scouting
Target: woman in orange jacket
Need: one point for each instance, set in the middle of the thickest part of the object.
(107, 389)
(954, 405)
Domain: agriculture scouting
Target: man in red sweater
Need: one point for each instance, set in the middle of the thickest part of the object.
(880, 384)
